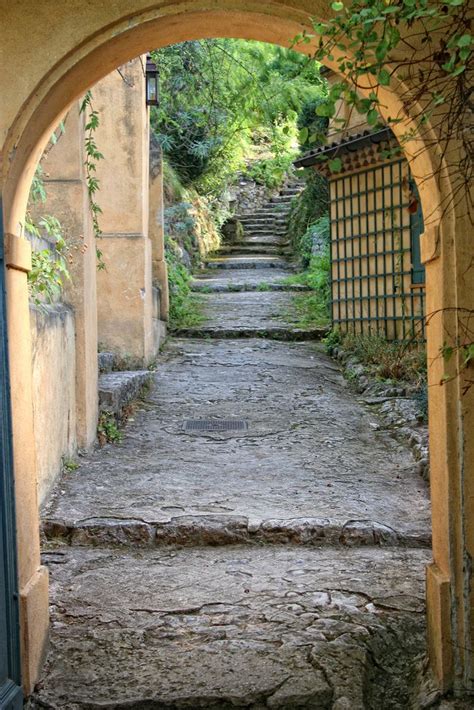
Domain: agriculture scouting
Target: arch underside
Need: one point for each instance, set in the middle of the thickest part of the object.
(125, 39)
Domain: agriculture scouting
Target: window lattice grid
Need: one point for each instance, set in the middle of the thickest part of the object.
(371, 254)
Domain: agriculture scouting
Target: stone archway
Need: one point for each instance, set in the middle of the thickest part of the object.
(60, 64)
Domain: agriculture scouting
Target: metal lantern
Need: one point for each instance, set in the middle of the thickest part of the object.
(151, 75)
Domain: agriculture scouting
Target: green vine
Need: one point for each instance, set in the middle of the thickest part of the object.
(49, 266)
(376, 43)
(93, 155)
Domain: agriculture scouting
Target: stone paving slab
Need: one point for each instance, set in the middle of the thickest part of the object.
(311, 451)
(242, 261)
(228, 627)
(251, 313)
(242, 280)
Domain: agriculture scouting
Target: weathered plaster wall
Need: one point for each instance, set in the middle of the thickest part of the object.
(125, 289)
(54, 391)
(67, 199)
(156, 230)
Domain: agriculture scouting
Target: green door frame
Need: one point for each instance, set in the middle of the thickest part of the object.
(11, 696)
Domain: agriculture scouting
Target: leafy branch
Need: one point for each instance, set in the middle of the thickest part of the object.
(424, 44)
(49, 266)
(93, 155)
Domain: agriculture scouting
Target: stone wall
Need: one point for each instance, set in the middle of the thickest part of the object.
(247, 195)
(54, 391)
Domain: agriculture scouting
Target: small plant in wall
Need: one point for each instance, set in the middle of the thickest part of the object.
(93, 155)
(107, 429)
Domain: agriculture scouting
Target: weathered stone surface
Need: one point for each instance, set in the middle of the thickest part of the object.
(258, 261)
(397, 403)
(243, 280)
(106, 362)
(224, 628)
(232, 230)
(250, 314)
(117, 389)
(310, 451)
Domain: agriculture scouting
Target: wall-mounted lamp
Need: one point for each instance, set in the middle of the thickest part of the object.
(151, 76)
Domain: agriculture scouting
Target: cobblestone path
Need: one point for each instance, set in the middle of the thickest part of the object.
(279, 565)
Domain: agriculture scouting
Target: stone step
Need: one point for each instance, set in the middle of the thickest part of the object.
(281, 333)
(221, 286)
(281, 199)
(243, 248)
(265, 230)
(266, 224)
(244, 262)
(271, 213)
(264, 220)
(274, 208)
(119, 389)
(234, 627)
(263, 240)
(218, 530)
(291, 191)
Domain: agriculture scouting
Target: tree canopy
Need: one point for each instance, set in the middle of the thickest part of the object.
(223, 101)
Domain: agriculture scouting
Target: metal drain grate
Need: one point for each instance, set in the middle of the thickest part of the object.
(216, 425)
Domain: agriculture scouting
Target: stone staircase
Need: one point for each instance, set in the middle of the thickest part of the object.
(267, 226)
(260, 262)
(275, 564)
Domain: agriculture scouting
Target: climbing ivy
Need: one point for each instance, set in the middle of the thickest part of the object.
(93, 155)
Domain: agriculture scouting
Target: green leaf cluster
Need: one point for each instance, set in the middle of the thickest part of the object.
(374, 42)
(223, 102)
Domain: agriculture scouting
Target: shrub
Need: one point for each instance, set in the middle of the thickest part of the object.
(389, 360)
(307, 209)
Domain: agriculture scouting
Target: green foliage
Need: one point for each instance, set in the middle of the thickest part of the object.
(332, 340)
(49, 266)
(222, 99)
(69, 465)
(107, 429)
(184, 310)
(376, 42)
(312, 308)
(392, 360)
(270, 171)
(307, 210)
(312, 127)
(93, 155)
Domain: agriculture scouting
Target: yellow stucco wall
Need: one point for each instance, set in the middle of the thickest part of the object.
(54, 391)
